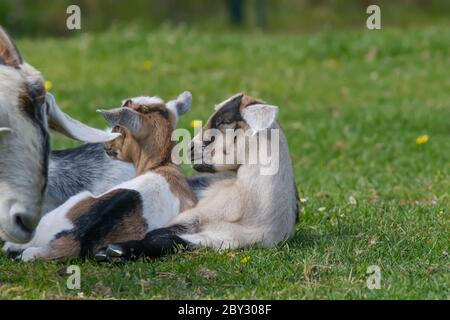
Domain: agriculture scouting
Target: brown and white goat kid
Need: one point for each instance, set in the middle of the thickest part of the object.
(85, 223)
(250, 208)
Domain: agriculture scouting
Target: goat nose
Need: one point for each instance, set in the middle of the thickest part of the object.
(24, 222)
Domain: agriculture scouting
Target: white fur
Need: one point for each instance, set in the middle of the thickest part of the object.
(144, 100)
(4, 131)
(160, 204)
(259, 116)
(50, 225)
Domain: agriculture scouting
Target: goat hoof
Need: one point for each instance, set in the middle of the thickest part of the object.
(101, 256)
(114, 251)
(16, 255)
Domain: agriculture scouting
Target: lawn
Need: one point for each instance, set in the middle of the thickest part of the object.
(352, 105)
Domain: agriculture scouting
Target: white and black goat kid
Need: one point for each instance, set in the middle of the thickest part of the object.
(33, 179)
(130, 210)
(247, 209)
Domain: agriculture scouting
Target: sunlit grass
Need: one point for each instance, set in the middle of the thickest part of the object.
(352, 105)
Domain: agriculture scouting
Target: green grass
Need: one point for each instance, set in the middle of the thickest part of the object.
(352, 105)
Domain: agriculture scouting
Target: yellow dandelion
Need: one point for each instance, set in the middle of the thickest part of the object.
(422, 139)
(196, 124)
(230, 254)
(48, 85)
(148, 65)
(245, 260)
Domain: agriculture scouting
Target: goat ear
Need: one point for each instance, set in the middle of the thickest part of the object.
(259, 116)
(4, 131)
(125, 117)
(61, 122)
(180, 105)
(111, 116)
(9, 55)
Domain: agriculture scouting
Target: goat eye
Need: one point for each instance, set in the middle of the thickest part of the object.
(228, 124)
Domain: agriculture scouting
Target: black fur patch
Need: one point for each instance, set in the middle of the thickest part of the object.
(94, 226)
(297, 200)
(227, 113)
(200, 182)
(203, 167)
(156, 243)
(164, 241)
(32, 107)
(162, 112)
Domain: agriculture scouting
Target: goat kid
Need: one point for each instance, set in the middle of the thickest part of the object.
(128, 211)
(244, 210)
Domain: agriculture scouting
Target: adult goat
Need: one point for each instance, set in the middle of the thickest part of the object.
(34, 180)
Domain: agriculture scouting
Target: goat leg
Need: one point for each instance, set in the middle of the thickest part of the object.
(156, 243)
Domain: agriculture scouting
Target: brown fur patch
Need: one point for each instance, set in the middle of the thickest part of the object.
(83, 207)
(248, 101)
(149, 108)
(131, 227)
(9, 55)
(178, 185)
(63, 247)
(155, 148)
(32, 96)
(25, 100)
(157, 143)
(152, 147)
(151, 150)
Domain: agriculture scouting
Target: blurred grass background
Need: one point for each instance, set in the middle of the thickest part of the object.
(47, 17)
